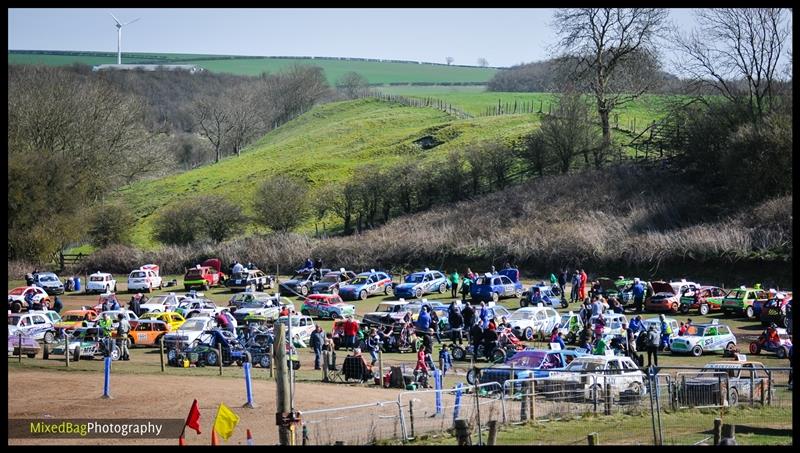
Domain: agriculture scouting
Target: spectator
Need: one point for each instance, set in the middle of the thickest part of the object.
(652, 346)
(330, 347)
(456, 320)
(554, 335)
(424, 319)
(134, 304)
(492, 324)
(585, 339)
(427, 345)
(454, 279)
(471, 275)
(636, 324)
(536, 298)
(29, 279)
(316, 343)
(105, 325)
(29, 299)
(374, 345)
(476, 337)
(599, 325)
(421, 362)
(57, 305)
(237, 267)
(600, 346)
(435, 326)
(584, 278)
(123, 329)
(469, 315)
(484, 315)
(576, 286)
(222, 321)
(666, 332)
(350, 333)
(597, 307)
(466, 286)
(489, 342)
(638, 295)
(682, 329)
(585, 313)
(446, 359)
(560, 341)
(630, 340)
(562, 283)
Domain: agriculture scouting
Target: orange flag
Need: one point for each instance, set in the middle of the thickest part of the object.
(213, 437)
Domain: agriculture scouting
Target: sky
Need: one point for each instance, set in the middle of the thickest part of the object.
(504, 37)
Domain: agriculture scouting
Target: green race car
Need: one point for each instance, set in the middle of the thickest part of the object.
(741, 301)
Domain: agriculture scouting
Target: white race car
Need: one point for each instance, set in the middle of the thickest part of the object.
(704, 337)
(527, 322)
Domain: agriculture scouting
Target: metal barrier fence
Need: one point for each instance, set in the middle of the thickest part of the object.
(667, 406)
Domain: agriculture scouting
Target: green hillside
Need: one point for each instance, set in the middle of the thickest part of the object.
(326, 144)
(376, 72)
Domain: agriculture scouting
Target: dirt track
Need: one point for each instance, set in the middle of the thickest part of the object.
(77, 395)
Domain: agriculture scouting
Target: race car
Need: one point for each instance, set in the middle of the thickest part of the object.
(741, 301)
(777, 310)
(493, 287)
(367, 284)
(706, 337)
(162, 303)
(146, 278)
(49, 282)
(301, 283)
(418, 284)
(204, 275)
(32, 324)
(101, 282)
(147, 332)
(666, 296)
(330, 282)
(250, 278)
(16, 298)
(704, 299)
(529, 363)
(73, 319)
(87, 342)
(527, 322)
(327, 306)
(546, 297)
(386, 313)
(172, 319)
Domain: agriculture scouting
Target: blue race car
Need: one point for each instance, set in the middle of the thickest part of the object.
(545, 297)
(367, 284)
(420, 283)
(493, 287)
(530, 363)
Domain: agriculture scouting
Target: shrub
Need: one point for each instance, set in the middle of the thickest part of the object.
(178, 224)
(281, 203)
(218, 218)
(110, 225)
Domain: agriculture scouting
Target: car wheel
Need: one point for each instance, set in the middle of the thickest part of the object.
(523, 303)
(459, 353)
(472, 375)
(518, 293)
(684, 308)
(442, 288)
(115, 353)
(304, 290)
(734, 399)
(782, 352)
(528, 333)
(498, 356)
(636, 388)
(362, 295)
(264, 361)
(16, 307)
(730, 347)
(76, 355)
(697, 351)
(749, 313)
(755, 348)
(31, 356)
(336, 315)
(388, 290)
(212, 358)
(49, 337)
(418, 293)
(495, 297)
(704, 309)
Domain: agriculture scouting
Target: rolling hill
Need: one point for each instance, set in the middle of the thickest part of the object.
(327, 144)
(375, 71)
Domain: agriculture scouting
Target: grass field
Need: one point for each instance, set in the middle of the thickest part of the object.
(375, 72)
(325, 145)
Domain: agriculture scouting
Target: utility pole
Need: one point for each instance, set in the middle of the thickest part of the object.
(283, 399)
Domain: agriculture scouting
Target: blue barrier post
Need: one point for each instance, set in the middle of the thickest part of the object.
(437, 381)
(107, 379)
(248, 386)
(457, 405)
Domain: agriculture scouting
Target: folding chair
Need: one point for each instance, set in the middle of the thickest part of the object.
(355, 369)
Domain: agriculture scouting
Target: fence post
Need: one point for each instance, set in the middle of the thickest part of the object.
(533, 400)
(478, 408)
(161, 352)
(492, 432)
(717, 430)
(607, 399)
(728, 432)
(219, 354)
(462, 433)
(325, 358)
(411, 416)
(66, 348)
(523, 408)
(763, 396)
(592, 438)
(769, 387)
(380, 367)
(271, 361)
(19, 346)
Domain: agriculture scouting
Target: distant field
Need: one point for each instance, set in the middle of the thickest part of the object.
(475, 100)
(376, 72)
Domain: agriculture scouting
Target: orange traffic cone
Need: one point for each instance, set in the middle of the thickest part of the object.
(181, 441)
(213, 437)
(250, 438)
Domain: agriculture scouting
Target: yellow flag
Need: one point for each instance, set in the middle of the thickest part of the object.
(225, 422)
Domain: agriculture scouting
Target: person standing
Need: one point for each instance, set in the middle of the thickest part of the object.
(123, 329)
(471, 275)
(435, 326)
(374, 345)
(427, 346)
(469, 315)
(652, 346)
(638, 295)
(350, 333)
(446, 359)
(584, 278)
(484, 316)
(57, 305)
(317, 342)
(456, 320)
(553, 280)
(466, 286)
(666, 332)
(562, 283)
(476, 337)
(576, 287)
(454, 280)
(424, 320)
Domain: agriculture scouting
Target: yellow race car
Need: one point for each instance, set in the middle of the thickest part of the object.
(172, 319)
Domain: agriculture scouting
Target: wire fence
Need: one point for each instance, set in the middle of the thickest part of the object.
(666, 406)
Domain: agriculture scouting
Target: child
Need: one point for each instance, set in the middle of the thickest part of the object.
(446, 359)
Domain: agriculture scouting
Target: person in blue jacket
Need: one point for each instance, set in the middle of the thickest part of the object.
(424, 321)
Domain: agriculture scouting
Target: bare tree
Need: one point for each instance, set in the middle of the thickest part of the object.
(614, 50)
(449, 60)
(243, 116)
(214, 121)
(483, 62)
(352, 84)
(736, 51)
(570, 131)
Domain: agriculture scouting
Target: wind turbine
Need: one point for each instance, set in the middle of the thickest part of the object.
(119, 36)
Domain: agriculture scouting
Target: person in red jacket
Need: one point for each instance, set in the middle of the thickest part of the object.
(350, 333)
(421, 366)
(584, 277)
